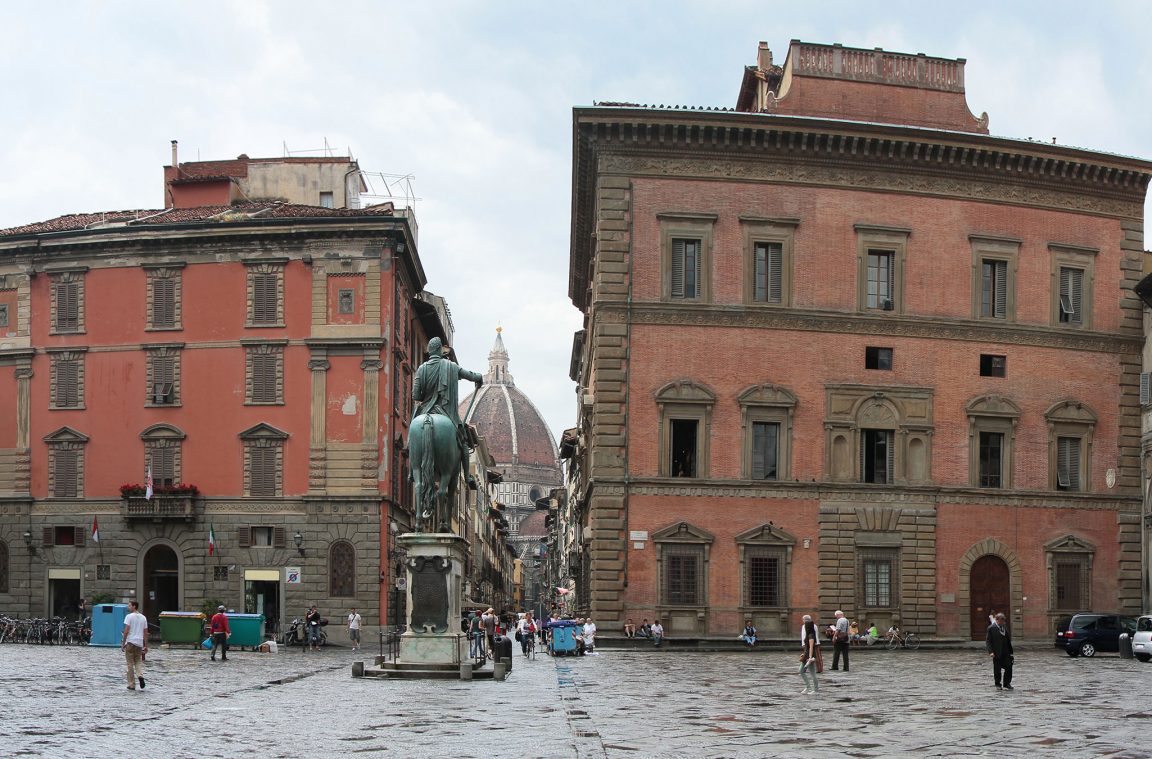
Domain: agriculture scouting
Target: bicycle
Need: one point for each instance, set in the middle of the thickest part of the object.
(909, 640)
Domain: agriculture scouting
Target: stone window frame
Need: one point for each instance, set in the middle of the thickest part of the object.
(257, 270)
(1001, 249)
(866, 554)
(278, 536)
(772, 404)
(685, 399)
(768, 540)
(263, 437)
(168, 272)
(682, 538)
(854, 408)
(152, 354)
(893, 240)
(1073, 257)
(1070, 419)
(5, 317)
(269, 357)
(992, 413)
(71, 442)
(341, 586)
(758, 230)
(58, 385)
(688, 226)
(59, 279)
(167, 437)
(1070, 549)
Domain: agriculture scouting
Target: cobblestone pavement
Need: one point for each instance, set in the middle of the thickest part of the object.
(72, 702)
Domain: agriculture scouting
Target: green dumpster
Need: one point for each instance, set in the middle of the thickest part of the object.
(247, 630)
(180, 627)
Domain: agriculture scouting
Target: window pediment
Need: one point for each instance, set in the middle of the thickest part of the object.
(682, 532)
(992, 405)
(1069, 544)
(766, 535)
(263, 431)
(767, 395)
(66, 435)
(685, 391)
(162, 432)
(1071, 412)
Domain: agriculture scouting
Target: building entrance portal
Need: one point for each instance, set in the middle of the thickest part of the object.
(161, 583)
(990, 592)
(262, 596)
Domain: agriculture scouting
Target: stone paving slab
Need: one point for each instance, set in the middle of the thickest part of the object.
(72, 702)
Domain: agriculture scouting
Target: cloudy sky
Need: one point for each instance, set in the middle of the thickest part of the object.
(474, 100)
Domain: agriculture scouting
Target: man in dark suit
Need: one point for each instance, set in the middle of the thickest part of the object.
(999, 645)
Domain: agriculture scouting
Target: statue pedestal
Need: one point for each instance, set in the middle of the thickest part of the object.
(435, 574)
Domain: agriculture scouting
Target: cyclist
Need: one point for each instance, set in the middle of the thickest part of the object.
(527, 629)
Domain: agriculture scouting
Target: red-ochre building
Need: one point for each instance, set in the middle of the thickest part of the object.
(845, 349)
(260, 352)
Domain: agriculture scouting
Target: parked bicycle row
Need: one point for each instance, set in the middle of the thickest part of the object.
(55, 631)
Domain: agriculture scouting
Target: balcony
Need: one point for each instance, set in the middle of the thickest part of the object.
(161, 508)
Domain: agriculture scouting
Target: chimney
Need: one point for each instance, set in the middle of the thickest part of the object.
(173, 153)
(763, 57)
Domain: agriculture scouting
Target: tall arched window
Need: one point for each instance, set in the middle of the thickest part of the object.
(342, 570)
(3, 567)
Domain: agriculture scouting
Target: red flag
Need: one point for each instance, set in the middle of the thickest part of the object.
(211, 539)
(95, 530)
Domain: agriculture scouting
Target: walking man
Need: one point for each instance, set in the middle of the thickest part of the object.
(354, 620)
(841, 640)
(134, 643)
(221, 632)
(999, 645)
(489, 621)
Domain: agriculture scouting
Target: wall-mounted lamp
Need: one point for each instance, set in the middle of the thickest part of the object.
(298, 539)
(28, 543)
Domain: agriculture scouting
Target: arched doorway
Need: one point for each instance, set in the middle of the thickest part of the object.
(161, 576)
(991, 591)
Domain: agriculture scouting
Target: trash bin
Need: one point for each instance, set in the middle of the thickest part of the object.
(108, 624)
(247, 630)
(182, 627)
(502, 650)
(1125, 646)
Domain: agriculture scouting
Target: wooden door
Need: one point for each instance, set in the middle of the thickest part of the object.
(990, 592)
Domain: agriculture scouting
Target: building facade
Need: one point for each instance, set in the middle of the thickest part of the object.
(843, 349)
(257, 360)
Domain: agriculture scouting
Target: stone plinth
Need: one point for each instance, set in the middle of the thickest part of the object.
(435, 573)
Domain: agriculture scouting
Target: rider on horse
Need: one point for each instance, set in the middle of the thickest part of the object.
(435, 391)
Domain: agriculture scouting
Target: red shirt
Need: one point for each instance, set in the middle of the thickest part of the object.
(220, 623)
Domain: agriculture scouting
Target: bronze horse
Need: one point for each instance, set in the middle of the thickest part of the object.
(434, 458)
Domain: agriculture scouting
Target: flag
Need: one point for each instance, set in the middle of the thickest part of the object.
(148, 482)
(211, 539)
(95, 530)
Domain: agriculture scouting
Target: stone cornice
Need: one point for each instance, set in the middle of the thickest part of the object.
(802, 320)
(853, 493)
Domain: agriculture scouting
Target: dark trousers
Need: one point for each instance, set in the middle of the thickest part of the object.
(220, 640)
(840, 647)
(1002, 669)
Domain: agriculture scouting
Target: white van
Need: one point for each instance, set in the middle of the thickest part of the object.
(1142, 638)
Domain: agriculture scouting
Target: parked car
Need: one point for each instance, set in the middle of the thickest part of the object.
(1142, 639)
(1085, 634)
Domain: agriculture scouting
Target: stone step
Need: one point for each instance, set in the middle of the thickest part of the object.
(424, 674)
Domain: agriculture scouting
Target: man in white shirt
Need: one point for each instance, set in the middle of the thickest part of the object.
(657, 633)
(354, 628)
(589, 635)
(134, 643)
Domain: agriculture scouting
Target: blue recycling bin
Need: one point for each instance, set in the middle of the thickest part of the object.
(108, 624)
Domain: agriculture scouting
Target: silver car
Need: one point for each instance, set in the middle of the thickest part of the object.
(1142, 638)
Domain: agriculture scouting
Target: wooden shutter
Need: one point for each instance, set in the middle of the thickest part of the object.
(67, 306)
(80, 536)
(1145, 388)
(1068, 463)
(691, 268)
(889, 465)
(264, 372)
(65, 476)
(163, 302)
(67, 383)
(264, 298)
(244, 536)
(279, 537)
(1000, 289)
(262, 473)
(1075, 292)
(678, 268)
(48, 537)
(775, 273)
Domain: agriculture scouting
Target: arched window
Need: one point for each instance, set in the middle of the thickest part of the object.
(3, 567)
(342, 570)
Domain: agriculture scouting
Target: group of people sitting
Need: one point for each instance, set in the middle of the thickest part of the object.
(867, 638)
(653, 632)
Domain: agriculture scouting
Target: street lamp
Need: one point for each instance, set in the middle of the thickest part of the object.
(298, 539)
(28, 543)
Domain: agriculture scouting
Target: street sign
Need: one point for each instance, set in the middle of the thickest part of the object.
(292, 575)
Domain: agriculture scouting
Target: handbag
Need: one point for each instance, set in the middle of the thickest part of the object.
(518, 638)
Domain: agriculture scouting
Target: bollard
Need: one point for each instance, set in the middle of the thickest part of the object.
(502, 651)
(465, 670)
(499, 671)
(357, 669)
(1125, 646)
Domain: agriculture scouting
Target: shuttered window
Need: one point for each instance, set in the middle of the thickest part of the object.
(682, 576)
(67, 316)
(163, 389)
(265, 298)
(768, 276)
(1068, 463)
(685, 268)
(67, 383)
(163, 302)
(1071, 295)
(342, 570)
(264, 471)
(162, 460)
(264, 374)
(994, 289)
(65, 473)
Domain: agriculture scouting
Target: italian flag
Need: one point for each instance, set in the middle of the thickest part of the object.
(211, 539)
(95, 530)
